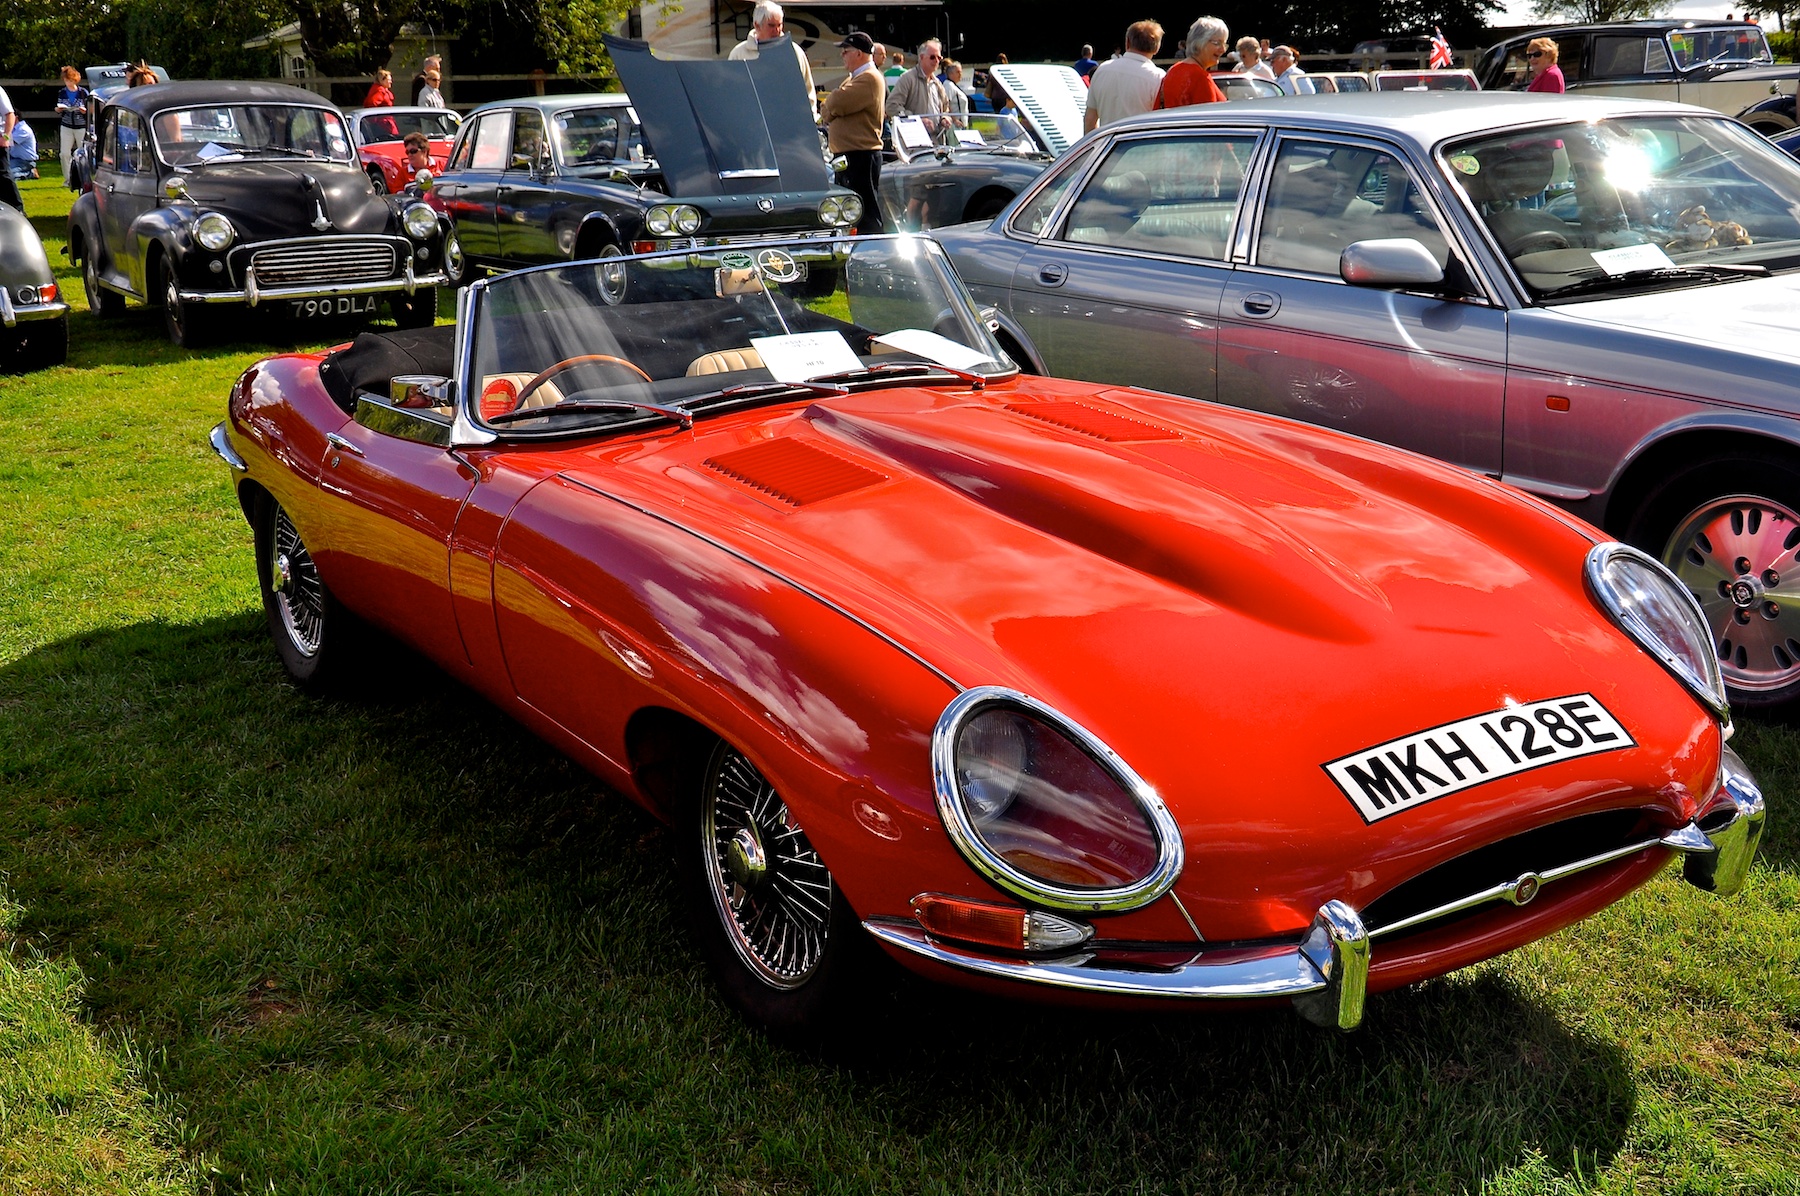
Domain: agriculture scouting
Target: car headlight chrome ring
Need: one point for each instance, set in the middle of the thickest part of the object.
(852, 208)
(1046, 811)
(660, 220)
(420, 221)
(1653, 607)
(213, 231)
(686, 219)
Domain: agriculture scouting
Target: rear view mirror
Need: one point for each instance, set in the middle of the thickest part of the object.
(1396, 262)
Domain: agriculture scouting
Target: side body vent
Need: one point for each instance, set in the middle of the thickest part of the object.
(793, 471)
(1091, 421)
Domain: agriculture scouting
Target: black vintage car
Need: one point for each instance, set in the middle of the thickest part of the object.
(245, 194)
(697, 152)
(34, 320)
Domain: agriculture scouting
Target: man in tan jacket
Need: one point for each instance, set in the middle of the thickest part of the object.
(852, 116)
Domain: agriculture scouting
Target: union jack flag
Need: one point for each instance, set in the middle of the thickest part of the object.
(1440, 50)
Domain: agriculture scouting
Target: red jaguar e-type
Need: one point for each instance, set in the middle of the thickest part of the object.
(1044, 687)
(380, 146)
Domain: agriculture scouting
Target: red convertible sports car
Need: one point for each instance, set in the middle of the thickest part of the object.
(1038, 686)
(379, 134)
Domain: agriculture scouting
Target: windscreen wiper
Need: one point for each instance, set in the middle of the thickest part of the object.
(907, 369)
(581, 406)
(1655, 274)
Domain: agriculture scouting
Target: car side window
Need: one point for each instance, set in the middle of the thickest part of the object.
(1034, 214)
(492, 138)
(128, 157)
(1166, 195)
(528, 140)
(1324, 197)
(1625, 57)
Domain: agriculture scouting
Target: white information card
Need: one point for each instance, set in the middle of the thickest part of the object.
(1627, 258)
(933, 347)
(803, 355)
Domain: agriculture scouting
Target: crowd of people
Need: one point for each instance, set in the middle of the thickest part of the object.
(1131, 83)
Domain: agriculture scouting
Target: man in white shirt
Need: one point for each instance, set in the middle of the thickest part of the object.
(1288, 75)
(1126, 86)
(1250, 59)
(766, 26)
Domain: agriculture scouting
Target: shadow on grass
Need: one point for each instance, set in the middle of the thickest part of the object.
(394, 942)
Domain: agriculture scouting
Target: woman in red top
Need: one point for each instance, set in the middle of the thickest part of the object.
(381, 94)
(1540, 59)
(1190, 81)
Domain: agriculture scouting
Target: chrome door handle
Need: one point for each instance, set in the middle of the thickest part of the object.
(342, 445)
(1052, 274)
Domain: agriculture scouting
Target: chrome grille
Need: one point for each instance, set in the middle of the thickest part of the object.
(1542, 851)
(327, 260)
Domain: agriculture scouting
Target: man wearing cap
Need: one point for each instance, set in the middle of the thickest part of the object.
(852, 116)
(765, 27)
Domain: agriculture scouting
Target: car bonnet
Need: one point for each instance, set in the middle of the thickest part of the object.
(1230, 601)
(723, 127)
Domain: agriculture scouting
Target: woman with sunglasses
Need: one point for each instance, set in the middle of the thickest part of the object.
(1540, 58)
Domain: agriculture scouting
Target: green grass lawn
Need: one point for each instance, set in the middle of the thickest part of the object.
(255, 941)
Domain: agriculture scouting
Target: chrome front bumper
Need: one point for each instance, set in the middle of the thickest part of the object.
(1326, 973)
(12, 314)
(254, 294)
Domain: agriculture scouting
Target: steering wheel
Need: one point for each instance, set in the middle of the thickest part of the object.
(569, 363)
(1536, 241)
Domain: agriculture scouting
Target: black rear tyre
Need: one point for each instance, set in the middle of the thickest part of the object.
(312, 633)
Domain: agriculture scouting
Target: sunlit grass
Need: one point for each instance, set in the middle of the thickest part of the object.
(390, 943)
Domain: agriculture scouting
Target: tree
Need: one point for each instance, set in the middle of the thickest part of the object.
(1589, 12)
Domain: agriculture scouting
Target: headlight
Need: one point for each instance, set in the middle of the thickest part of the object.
(213, 231)
(1651, 606)
(831, 211)
(1046, 811)
(687, 220)
(660, 220)
(852, 207)
(420, 221)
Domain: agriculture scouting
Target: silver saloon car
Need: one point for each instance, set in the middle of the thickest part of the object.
(1597, 301)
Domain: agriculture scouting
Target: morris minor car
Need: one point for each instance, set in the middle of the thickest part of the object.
(920, 655)
(209, 196)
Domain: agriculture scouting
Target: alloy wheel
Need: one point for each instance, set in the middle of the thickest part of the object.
(1740, 555)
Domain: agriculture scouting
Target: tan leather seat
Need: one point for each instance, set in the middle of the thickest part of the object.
(725, 361)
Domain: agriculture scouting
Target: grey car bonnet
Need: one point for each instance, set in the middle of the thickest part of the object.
(721, 127)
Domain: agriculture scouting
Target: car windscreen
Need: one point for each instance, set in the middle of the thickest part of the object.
(1736, 43)
(598, 137)
(1591, 208)
(621, 342)
(234, 132)
(989, 131)
(379, 127)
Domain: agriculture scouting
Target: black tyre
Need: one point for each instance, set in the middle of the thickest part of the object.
(378, 180)
(102, 302)
(312, 633)
(776, 932)
(987, 206)
(1730, 529)
(418, 310)
(186, 323)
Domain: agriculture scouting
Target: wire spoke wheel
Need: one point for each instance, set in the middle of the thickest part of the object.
(294, 584)
(772, 893)
(1740, 555)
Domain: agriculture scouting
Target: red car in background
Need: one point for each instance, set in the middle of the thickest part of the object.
(378, 133)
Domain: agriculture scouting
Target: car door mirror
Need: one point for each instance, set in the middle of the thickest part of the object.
(1389, 262)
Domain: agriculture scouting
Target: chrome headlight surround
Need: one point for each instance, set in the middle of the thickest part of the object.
(687, 219)
(1649, 603)
(213, 231)
(419, 221)
(953, 808)
(840, 211)
(659, 221)
(852, 208)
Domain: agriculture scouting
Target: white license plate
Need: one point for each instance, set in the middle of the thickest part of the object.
(1390, 777)
(332, 306)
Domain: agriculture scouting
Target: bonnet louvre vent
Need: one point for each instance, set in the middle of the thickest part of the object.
(1091, 421)
(793, 471)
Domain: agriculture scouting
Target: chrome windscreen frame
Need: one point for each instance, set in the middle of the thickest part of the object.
(989, 863)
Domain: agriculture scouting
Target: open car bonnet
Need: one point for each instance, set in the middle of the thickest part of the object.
(1051, 99)
(721, 127)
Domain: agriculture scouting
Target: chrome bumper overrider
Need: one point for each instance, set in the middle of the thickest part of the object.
(11, 314)
(1326, 973)
(254, 294)
(220, 439)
